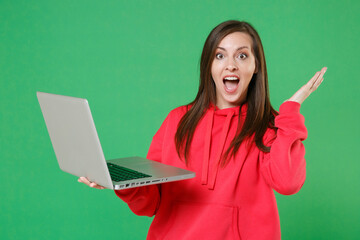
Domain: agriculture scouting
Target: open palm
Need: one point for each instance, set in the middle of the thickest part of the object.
(309, 87)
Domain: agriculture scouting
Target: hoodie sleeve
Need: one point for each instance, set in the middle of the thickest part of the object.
(284, 166)
(144, 201)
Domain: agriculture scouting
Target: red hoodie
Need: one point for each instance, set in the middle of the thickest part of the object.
(232, 202)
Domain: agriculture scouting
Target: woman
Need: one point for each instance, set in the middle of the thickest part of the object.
(238, 145)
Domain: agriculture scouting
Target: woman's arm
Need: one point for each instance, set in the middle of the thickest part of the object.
(284, 167)
(144, 201)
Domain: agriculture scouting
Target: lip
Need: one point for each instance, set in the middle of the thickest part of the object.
(232, 90)
(233, 75)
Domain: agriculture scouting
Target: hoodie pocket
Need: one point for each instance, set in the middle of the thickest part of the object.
(203, 221)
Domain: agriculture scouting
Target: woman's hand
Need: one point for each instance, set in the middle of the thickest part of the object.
(309, 87)
(90, 184)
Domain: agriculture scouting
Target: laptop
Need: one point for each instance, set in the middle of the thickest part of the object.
(78, 150)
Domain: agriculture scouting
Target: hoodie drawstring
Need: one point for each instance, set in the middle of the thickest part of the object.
(216, 163)
(205, 167)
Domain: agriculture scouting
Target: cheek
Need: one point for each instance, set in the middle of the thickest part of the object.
(212, 71)
(214, 67)
(215, 71)
(249, 70)
(248, 73)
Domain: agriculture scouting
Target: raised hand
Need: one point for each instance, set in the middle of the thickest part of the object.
(309, 87)
(90, 184)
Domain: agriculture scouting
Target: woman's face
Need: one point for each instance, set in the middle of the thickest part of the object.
(232, 69)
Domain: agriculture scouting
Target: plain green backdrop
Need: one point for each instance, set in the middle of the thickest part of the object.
(135, 61)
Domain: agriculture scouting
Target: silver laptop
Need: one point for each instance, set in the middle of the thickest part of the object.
(78, 150)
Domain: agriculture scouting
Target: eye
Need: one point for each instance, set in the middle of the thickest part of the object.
(219, 56)
(242, 56)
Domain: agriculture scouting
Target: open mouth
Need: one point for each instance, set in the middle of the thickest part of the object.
(231, 83)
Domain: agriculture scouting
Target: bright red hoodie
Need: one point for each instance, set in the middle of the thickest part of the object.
(232, 202)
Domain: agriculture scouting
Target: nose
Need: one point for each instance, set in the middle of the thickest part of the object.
(231, 65)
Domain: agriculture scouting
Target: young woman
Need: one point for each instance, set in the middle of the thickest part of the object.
(238, 145)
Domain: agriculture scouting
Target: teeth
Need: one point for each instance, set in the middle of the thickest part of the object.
(231, 78)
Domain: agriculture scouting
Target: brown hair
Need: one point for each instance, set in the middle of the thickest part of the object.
(260, 114)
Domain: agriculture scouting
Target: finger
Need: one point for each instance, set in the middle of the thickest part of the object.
(322, 72)
(84, 180)
(90, 184)
(97, 186)
(317, 84)
(320, 78)
(311, 82)
(93, 185)
(317, 79)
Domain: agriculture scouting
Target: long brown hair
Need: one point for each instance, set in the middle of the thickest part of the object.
(260, 114)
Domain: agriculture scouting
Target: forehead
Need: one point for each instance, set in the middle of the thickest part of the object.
(236, 40)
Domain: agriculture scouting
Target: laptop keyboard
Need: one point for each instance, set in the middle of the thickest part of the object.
(119, 173)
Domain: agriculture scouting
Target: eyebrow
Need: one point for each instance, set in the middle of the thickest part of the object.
(236, 49)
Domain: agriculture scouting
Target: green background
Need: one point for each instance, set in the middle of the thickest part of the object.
(135, 61)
